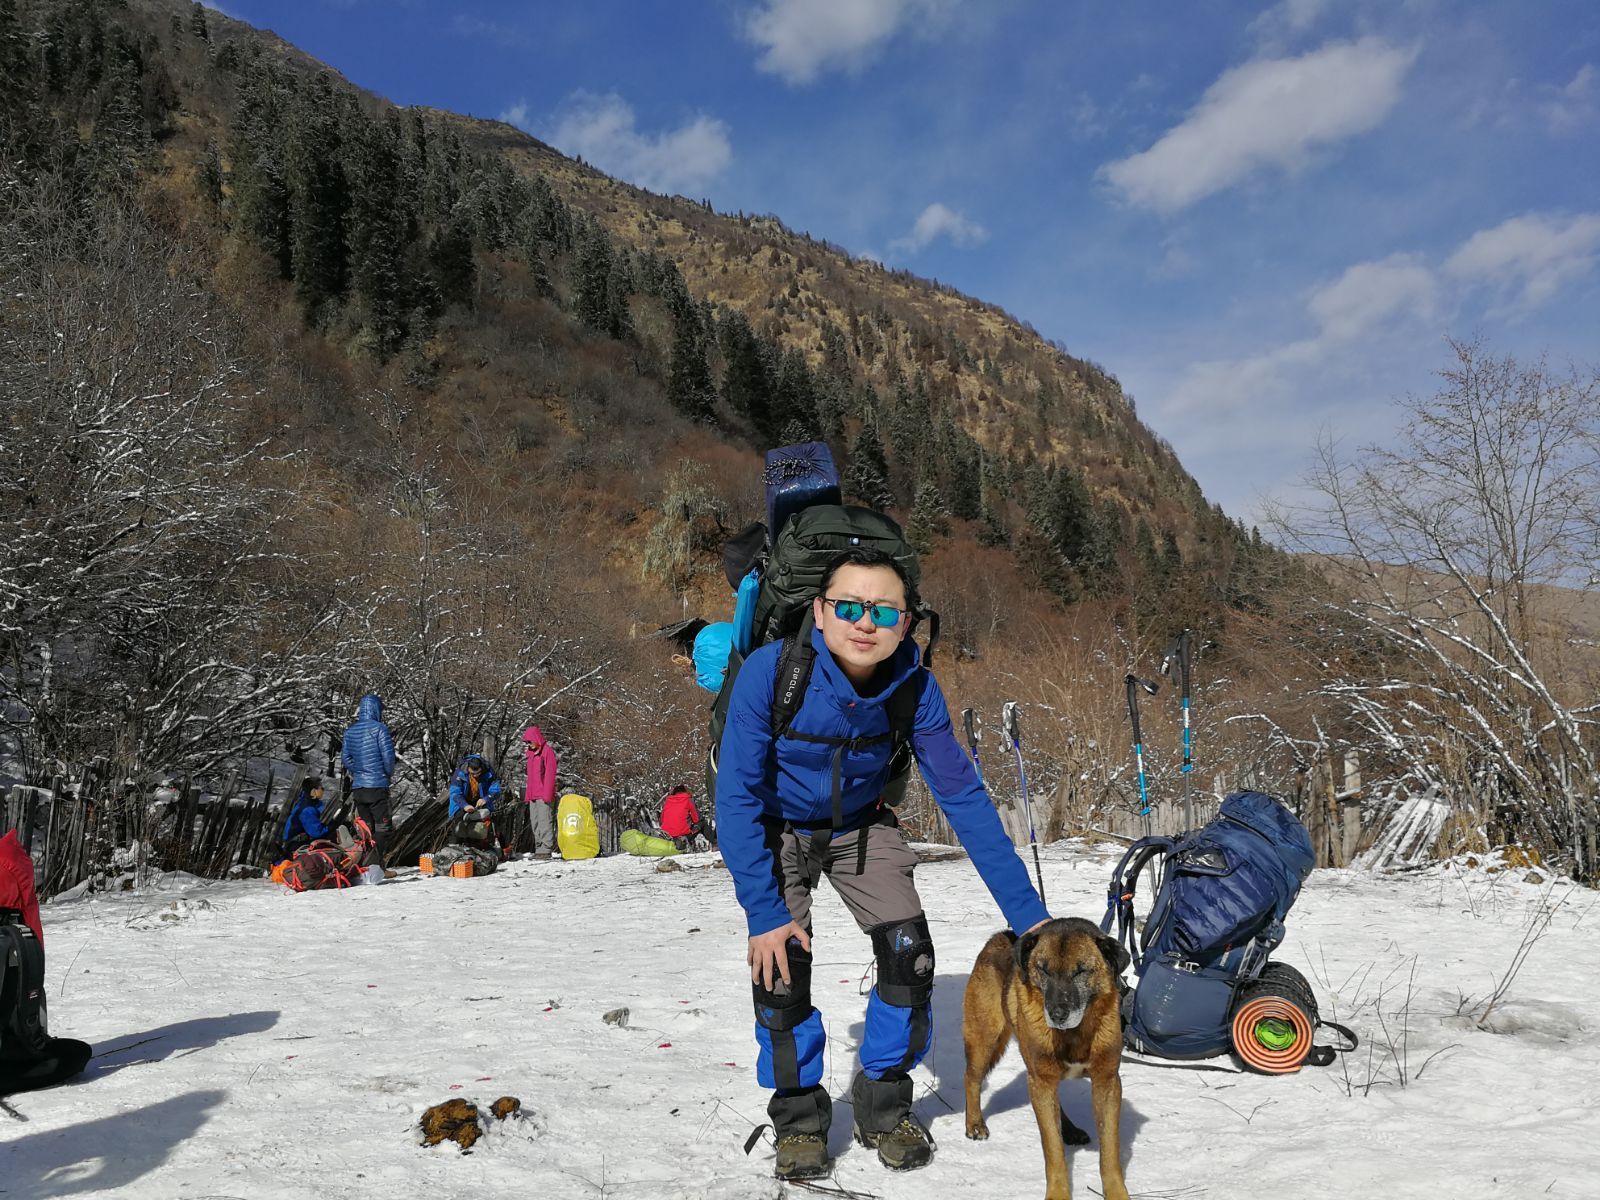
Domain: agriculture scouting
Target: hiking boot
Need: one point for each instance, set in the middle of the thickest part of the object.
(802, 1156)
(904, 1148)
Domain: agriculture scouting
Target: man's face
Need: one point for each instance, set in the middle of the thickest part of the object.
(862, 644)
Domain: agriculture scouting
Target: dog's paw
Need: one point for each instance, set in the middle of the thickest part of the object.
(1071, 1134)
(977, 1130)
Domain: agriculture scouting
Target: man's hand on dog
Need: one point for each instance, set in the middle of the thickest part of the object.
(771, 950)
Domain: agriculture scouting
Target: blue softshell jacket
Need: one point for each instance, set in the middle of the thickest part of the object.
(368, 749)
(792, 780)
(488, 787)
(760, 777)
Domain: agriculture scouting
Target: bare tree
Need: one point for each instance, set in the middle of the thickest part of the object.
(1453, 564)
(136, 539)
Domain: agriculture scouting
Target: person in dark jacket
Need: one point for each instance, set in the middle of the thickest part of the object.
(304, 823)
(368, 754)
(792, 808)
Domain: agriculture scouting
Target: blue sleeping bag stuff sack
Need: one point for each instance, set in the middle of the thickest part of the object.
(1223, 895)
(711, 647)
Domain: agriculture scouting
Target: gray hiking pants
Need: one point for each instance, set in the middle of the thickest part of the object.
(542, 823)
(881, 894)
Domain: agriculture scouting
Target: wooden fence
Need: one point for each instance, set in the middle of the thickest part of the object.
(74, 834)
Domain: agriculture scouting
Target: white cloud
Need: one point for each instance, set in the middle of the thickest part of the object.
(937, 221)
(1288, 18)
(603, 130)
(1537, 253)
(802, 38)
(1388, 293)
(1575, 105)
(1267, 113)
(1372, 293)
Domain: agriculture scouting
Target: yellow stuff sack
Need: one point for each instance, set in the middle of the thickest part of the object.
(577, 834)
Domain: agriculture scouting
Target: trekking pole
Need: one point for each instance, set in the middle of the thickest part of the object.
(1008, 721)
(1180, 657)
(970, 721)
(1134, 684)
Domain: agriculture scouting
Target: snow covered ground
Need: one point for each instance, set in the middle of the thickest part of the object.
(255, 1043)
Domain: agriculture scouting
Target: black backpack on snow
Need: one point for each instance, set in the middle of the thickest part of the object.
(29, 1057)
(802, 490)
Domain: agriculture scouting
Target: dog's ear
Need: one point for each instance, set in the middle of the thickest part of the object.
(1024, 947)
(1117, 956)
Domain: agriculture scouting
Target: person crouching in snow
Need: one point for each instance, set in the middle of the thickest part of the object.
(796, 806)
(473, 790)
(540, 792)
(680, 819)
(304, 824)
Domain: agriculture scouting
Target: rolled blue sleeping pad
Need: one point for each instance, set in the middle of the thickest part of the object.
(744, 614)
(798, 477)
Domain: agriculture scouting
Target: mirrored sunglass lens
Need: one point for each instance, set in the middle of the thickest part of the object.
(848, 610)
(884, 616)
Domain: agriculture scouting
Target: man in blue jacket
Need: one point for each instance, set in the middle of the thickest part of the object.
(806, 802)
(368, 754)
(473, 789)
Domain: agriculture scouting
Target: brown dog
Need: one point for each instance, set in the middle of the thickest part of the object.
(1058, 992)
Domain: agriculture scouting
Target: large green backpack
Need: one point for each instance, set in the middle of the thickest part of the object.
(791, 577)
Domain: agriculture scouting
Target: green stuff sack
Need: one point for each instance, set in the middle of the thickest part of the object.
(577, 833)
(646, 846)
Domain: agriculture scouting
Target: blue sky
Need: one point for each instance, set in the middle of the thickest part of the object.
(1264, 218)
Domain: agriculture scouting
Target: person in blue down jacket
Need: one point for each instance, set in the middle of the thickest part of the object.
(368, 754)
(473, 788)
(795, 806)
(304, 823)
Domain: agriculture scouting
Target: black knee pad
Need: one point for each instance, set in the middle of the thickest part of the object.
(787, 1004)
(904, 952)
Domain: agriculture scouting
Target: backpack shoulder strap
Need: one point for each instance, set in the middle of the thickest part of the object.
(795, 662)
(901, 707)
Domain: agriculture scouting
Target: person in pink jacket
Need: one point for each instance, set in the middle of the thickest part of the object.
(540, 792)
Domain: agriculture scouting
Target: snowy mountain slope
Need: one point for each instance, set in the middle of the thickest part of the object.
(256, 1043)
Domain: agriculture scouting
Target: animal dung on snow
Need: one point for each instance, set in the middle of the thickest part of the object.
(461, 1122)
(454, 1121)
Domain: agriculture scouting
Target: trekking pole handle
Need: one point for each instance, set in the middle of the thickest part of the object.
(969, 719)
(1134, 685)
(1008, 722)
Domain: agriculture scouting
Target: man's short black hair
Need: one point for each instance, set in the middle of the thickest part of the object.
(871, 556)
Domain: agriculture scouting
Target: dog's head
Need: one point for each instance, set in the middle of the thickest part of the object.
(1069, 962)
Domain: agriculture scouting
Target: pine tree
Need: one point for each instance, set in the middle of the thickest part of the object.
(866, 475)
(454, 266)
(197, 22)
(1072, 518)
(747, 377)
(928, 517)
(318, 198)
(690, 387)
(377, 231)
(792, 395)
(619, 286)
(594, 276)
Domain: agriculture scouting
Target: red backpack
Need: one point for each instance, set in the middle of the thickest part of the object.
(325, 864)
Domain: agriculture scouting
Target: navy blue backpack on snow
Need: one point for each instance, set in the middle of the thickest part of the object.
(1206, 982)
